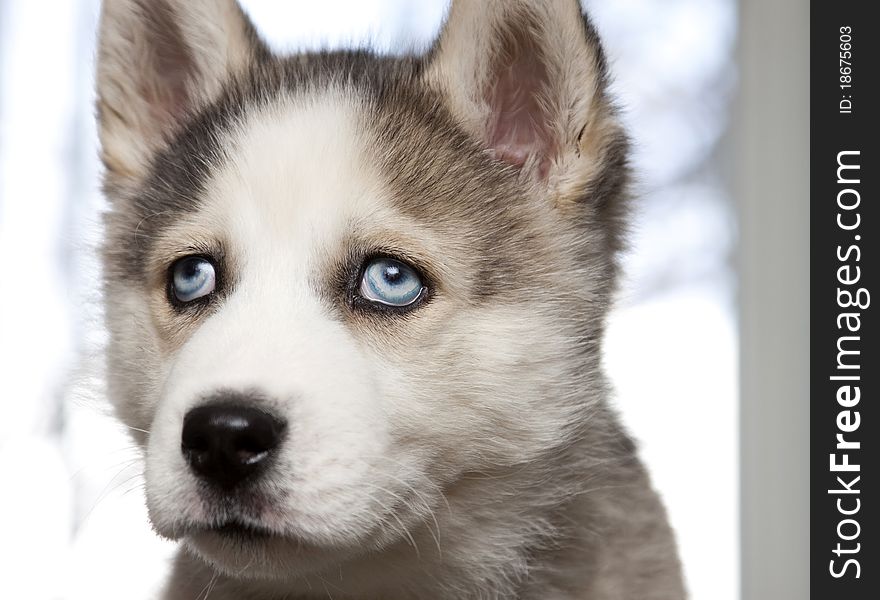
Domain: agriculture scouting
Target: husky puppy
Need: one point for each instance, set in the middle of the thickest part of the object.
(356, 305)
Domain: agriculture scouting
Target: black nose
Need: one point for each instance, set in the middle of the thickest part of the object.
(226, 443)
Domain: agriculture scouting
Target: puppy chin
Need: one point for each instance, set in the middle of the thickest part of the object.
(243, 552)
(258, 545)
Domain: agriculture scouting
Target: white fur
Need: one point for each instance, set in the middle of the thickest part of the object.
(374, 432)
(282, 200)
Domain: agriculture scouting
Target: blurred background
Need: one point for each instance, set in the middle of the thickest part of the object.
(701, 293)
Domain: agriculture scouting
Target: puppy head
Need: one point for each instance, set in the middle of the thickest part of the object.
(337, 284)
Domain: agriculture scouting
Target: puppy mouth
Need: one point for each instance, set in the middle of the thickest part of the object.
(235, 535)
(239, 530)
(229, 522)
(242, 549)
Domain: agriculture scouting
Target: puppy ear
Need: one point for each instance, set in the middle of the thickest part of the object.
(528, 79)
(158, 62)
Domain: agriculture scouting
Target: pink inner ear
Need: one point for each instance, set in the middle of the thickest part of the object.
(169, 70)
(169, 101)
(519, 122)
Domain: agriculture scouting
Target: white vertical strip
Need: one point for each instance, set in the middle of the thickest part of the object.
(36, 110)
(774, 194)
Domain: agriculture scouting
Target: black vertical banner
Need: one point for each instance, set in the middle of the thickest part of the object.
(845, 300)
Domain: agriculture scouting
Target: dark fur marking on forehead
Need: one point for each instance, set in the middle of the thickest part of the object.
(178, 174)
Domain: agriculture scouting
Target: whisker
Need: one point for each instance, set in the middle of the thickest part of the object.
(110, 487)
(209, 587)
(403, 528)
(435, 532)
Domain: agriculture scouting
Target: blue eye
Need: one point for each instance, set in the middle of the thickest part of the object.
(192, 278)
(391, 282)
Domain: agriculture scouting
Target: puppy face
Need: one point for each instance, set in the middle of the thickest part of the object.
(340, 285)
